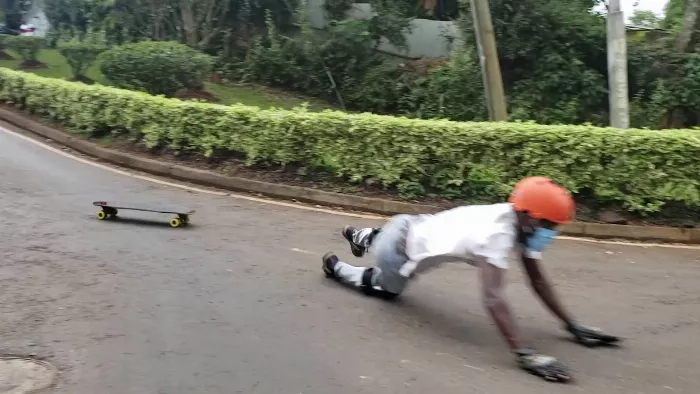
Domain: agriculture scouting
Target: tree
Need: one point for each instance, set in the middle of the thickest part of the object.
(688, 27)
(645, 18)
(80, 56)
(28, 48)
(553, 59)
(673, 15)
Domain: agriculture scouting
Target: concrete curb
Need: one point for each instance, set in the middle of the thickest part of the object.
(366, 204)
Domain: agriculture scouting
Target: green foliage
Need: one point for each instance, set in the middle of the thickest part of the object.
(553, 59)
(72, 15)
(664, 86)
(389, 22)
(642, 170)
(453, 91)
(3, 42)
(336, 9)
(552, 55)
(365, 81)
(27, 46)
(80, 55)
(645, 18)
(316, 63)
(379, 90)
(673, 15)
(156, 67)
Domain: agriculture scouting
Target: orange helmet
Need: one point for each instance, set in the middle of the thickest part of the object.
(543, 199)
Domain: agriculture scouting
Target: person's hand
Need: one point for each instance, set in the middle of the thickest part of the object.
(546, 367)
(590, 336)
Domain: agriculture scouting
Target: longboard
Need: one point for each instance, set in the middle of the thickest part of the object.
(110, 209)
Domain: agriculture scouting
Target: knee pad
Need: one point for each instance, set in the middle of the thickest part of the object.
(368, 287)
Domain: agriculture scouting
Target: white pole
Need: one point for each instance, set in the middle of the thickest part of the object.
(617, 66)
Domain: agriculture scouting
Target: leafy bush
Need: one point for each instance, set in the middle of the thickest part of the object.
(315, 63)
(326, 63)
(28, 47)
(640, 169)
(453, 90)
(80, 55)
(379, 90)
(668, 88)
(156, 67)
(3, 43)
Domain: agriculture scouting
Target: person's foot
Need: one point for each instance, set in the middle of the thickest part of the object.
(357, 250)
(329, 261)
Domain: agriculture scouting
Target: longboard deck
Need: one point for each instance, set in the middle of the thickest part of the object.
(177, 210)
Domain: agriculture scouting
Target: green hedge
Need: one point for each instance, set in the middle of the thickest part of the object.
(639, 169)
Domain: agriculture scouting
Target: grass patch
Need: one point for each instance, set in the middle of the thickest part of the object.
(58, 66)
(227, 94)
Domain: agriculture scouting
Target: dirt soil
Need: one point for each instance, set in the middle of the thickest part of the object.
(83, 79)
(32, 65)
(196, 95)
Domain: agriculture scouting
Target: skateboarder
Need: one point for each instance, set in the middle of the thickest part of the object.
(483, 236)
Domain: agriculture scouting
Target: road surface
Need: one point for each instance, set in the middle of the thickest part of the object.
(237, 302)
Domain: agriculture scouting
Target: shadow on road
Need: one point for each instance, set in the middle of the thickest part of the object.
(162, 223)
(430, 317)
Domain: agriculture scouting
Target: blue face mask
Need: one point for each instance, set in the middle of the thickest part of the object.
(542, 237)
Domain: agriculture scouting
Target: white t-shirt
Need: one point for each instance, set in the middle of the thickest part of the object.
(461, 234)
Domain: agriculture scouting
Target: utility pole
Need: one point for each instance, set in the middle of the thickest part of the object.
(617, 67)
(488, 57)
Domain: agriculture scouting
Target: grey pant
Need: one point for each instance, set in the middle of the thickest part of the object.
(390, 254)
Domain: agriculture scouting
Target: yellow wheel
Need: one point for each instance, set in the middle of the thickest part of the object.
(101, 215)
(175, 222)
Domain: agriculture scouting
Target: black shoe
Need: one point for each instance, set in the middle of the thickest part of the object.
(357, 250)
(329, 262)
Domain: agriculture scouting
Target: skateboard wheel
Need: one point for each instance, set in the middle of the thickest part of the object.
(102, 215)
(175, 222)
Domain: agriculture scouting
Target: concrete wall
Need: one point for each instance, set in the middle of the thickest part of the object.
(427, 38)
(37, 17)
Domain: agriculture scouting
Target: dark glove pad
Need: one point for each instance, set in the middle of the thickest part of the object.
(546, 367)
(591, 337)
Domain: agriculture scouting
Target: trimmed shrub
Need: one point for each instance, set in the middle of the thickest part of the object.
(3, 47)
(641, 170)
(28, 47)
(80, 56)
(160, 68)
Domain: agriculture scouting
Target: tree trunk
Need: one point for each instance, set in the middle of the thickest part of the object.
(690, 20)
(189, 22)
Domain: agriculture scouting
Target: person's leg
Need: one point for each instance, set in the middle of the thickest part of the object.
(389, 243)
(360, 239)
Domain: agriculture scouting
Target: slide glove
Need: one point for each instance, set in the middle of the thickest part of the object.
(590, 336)
(546, 367)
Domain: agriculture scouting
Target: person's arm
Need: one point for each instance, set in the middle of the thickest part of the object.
(492, 284)
(492, 287)
(587, 336)
(544, 290)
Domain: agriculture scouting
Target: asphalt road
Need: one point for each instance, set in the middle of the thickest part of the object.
(237, 303)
